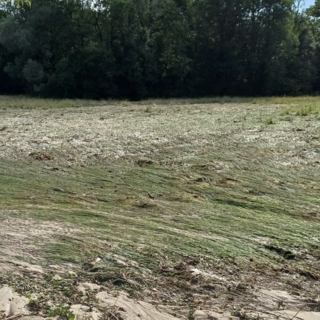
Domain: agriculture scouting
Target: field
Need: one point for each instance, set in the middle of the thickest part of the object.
(193, 206)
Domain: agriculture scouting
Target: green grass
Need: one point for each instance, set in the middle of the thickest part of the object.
(269, 121)
(302, 110)
(22, 102)
(215, 217)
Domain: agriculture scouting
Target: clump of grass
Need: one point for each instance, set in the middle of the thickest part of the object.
(305, 111)
(148, 109)
(269, 121)
(301, 110)
(63, 311)
(286, 111)
(303, 100)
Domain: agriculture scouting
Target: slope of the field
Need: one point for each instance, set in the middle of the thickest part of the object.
(193, 205)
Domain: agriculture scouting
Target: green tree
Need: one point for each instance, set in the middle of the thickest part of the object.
(141, 48)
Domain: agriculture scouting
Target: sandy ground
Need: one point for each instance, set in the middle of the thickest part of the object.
(120, 306)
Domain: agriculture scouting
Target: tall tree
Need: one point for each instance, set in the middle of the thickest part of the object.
(141, 48)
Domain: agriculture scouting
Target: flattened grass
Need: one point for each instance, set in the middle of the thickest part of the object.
(222, 216)
(211, 181)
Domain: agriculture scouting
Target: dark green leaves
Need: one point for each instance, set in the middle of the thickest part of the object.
(148, 48)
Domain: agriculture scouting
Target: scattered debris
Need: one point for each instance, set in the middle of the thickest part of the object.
(142, 162)
(287, 254)
(257, 192)
(40, 156)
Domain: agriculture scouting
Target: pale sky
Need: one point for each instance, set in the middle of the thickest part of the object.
(309, 3)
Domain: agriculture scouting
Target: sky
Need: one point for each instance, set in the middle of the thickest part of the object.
(309, 3)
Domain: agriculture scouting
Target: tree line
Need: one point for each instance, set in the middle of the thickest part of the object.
(159, 48)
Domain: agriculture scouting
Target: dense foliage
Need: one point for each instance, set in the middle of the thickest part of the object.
(159, 48)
